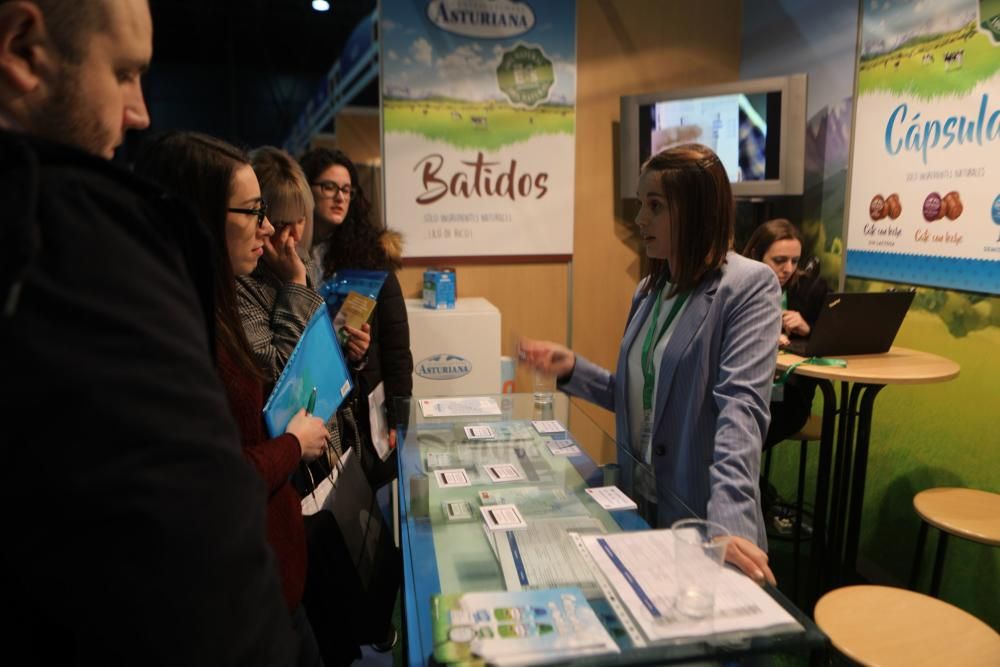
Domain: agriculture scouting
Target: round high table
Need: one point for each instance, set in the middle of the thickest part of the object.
(845, 436)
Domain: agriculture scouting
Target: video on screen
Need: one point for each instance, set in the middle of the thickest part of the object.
(743, 130)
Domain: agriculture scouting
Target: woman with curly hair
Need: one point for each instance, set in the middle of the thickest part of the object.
(344, 237)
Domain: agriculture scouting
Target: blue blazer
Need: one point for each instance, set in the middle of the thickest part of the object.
(712, 395)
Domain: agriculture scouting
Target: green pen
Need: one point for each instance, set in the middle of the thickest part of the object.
(311, 405)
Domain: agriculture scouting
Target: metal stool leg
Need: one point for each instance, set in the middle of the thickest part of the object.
(939, 563)
(797, 534)
(918, 556)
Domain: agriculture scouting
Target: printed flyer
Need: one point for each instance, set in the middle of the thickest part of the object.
(924, 205)
(478, 125)
(519, 628)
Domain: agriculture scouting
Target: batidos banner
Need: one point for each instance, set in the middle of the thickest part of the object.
(924, 204)
(478, 125)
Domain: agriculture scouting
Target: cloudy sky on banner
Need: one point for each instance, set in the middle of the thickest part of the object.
(423, 60)
(892, 19)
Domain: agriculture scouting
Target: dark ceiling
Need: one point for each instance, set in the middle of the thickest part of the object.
(286, 35)
(244, 70)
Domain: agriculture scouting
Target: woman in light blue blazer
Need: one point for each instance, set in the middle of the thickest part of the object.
(695, 367)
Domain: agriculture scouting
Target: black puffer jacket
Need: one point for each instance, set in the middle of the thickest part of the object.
(134, 528)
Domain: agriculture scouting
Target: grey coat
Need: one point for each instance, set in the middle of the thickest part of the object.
(713, 389)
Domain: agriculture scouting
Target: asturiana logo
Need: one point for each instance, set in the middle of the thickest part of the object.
(443, 366)
(923, 135)
(496, 19)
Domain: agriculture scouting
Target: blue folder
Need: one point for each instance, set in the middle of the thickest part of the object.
(364, 282)
(317, 361)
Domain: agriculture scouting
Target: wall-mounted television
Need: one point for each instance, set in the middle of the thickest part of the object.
(757, 128)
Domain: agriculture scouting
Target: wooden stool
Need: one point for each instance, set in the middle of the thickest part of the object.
(811, 430)
(878, 625)
(968, 513)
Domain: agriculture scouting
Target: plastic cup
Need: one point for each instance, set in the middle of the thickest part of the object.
(542, 386)
(699, 551)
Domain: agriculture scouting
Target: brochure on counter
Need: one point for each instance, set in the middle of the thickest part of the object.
(516, 628)
(639, 569)
(466, 406)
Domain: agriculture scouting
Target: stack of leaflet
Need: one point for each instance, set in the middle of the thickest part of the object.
(637, 574)
(523, 628)
(316, 363)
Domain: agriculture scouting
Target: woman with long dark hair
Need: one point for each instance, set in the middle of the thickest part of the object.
(695, 366)
(217, 180)
(778, 244)
(345, 237)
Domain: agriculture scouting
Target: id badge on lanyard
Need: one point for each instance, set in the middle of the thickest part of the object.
(649, 371)
(646, 435)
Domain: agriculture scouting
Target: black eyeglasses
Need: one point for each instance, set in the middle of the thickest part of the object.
(260, 212)
(330, 189)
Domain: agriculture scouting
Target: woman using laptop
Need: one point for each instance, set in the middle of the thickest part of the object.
(691, 388)
(778, 244)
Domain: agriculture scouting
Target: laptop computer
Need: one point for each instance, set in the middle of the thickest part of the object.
(854, 323)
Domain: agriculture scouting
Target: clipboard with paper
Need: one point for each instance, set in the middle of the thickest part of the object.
(317, 362)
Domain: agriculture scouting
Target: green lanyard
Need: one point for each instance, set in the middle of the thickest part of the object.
(648, 376)
(811, 361)
(784, 300)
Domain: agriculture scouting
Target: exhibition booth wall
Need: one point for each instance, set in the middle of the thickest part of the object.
(922, 437)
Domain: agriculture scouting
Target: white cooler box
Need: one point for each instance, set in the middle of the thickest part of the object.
(456, 351)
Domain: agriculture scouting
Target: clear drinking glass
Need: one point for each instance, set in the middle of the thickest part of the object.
(699, 551)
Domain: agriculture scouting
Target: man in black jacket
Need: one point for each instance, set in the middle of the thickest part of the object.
(133, 528)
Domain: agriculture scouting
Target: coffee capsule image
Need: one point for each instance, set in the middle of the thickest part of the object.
(877, 208)
(893, 206)
(952, 205)
(932, 207)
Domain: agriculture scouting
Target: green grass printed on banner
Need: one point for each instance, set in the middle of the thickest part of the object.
(451, 121)
(903, 71)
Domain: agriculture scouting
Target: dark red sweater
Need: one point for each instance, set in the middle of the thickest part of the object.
(275, 461)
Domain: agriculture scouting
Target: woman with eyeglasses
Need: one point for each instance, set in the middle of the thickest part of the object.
(217, 180)
(277, 299)
(344, 237)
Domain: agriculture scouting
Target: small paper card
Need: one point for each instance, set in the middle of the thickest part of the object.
(457, 510)
(503, 472)
(452, 477)
(549, 426)
(480, 432)
(611, 498)
(440, 460)
(459, 407)
(563, 448)
(502, 517)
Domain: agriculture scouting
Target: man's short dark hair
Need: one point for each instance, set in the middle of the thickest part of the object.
(71, 23)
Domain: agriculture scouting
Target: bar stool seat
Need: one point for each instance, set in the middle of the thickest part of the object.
(812, 430)
(879, 625)
(968, 513)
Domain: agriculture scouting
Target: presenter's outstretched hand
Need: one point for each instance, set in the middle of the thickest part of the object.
(311, 433)
(751, 560)
(282, 258)
(547, 357)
